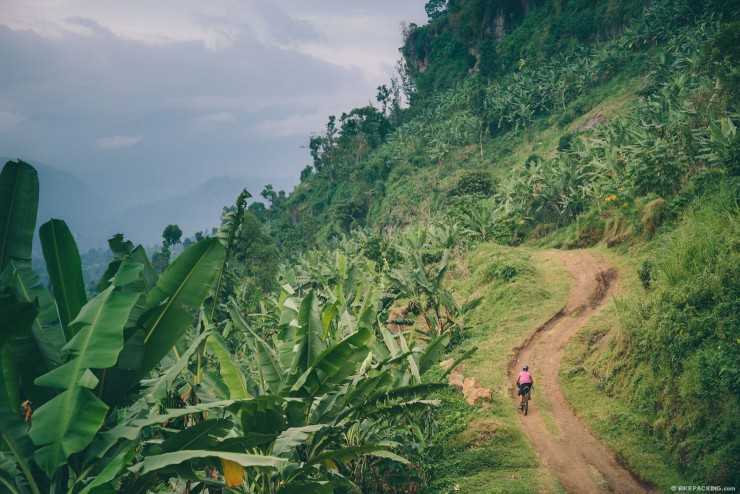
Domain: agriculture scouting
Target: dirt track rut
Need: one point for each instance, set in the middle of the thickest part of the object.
(572, 453)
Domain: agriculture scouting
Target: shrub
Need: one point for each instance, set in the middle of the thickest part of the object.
(500, 271)
(647, 273)
(542, 230)
(589, 230)
(478, 182)
(653, 214)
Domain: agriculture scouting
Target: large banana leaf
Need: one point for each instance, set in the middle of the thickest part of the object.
(65, 271)
(185, 284)
(158, 462)
(39, 351)
(98, 339)
(230, 371)
(68, 423)
(268, 362)
(64, 426)
(14, 436)
(19, 200)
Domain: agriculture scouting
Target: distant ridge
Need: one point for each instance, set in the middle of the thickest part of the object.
(93, 219)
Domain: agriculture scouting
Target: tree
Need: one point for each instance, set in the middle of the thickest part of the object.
(306, 172)
(384, 98)
(435, 8)
(171, 235)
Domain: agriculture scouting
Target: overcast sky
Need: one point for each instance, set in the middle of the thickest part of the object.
(145, 99)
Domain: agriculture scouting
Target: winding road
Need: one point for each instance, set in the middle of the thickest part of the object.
(564, 444)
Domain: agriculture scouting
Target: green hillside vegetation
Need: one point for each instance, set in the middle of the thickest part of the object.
(295, 348)
(568, 146)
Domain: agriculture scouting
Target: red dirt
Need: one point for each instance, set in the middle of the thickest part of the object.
(575, 456)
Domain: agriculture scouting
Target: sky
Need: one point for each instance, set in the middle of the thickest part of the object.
(145, 99)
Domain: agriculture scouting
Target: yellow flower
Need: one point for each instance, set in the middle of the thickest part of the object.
(612, 197)
(233, 473)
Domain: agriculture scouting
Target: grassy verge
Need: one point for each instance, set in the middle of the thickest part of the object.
(483, 449)
(588, 360)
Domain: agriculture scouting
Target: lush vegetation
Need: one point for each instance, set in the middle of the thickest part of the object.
(563, 124)
(609, 142)
(156, 380)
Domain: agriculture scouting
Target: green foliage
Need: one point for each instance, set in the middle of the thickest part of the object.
(503, 272)
(686, 331)
(308, 377)
(647, 273)
(19, 184)
(472, 182)
(331, 393)
(720, 58)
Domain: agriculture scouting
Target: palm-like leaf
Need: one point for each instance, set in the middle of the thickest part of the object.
(14, 437)
(65, 271)
(153, 463)
(68, 423)
(232, 375)
(19, 198)
(185, 284)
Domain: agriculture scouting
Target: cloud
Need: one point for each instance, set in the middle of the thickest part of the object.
(214, 120)
(229, 87)
(117, 141)
(86, 26)
(10, 120)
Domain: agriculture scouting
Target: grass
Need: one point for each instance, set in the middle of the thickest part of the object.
(484, 450)
(479, 449)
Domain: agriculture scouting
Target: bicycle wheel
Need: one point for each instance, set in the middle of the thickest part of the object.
(526, 404)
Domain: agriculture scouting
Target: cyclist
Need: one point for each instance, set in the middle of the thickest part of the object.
(524, 382)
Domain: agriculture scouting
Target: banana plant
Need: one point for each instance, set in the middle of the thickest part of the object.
(94, 395)
(74, 361)
(340, 378)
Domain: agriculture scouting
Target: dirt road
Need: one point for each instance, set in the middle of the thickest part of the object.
(565, 446)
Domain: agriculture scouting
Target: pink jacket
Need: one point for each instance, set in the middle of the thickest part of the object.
(524, 378)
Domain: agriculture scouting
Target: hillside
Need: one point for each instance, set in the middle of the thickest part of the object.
(550, 186)
(604, 124)
(491, 136)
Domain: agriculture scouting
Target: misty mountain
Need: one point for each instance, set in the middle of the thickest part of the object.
(93, 219)
(64, 196)
(197, 210)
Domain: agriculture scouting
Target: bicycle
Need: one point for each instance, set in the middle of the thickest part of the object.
(524, 404)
